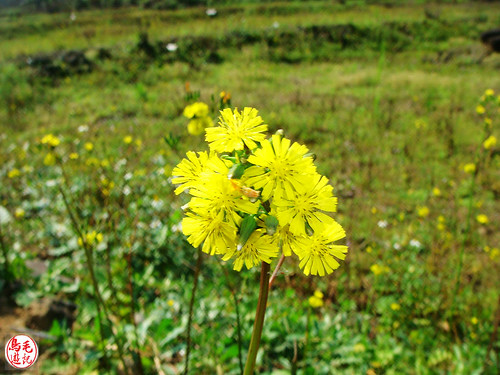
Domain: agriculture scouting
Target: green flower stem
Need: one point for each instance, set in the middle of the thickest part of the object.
(259, 319)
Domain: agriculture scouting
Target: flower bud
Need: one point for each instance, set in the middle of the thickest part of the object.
(248, 225)
(271, 224)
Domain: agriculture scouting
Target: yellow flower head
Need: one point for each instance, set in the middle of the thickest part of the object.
(197, 125)
(377, 269)
(197, 109)
(235, 130)
(50, 159)
(316, 300)
(489, 92)
(127, 139)
(436, 192)
(279, 169)
(89, 146)
(13, 173)
(286, 239)
(257, 249)
(490, 142)
(318, 254)
(304, 206)
(217, 235)
(91, 238)
(395, 306)
(482, 219)
(215, 194)
(189, 172)
(51, 140)
(423, 211)
(469, 168)
(19, 213)
(73, 156)
(480, 109)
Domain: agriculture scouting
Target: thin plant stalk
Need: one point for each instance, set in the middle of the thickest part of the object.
(197, 270)
(259, 319)
(276, 270)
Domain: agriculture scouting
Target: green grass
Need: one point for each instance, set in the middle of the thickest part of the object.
(388, 119)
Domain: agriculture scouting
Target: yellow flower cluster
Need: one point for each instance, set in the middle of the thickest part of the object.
(90, 238)
(252, 197)
(199, 114)
(50, 140)
(490, 142)
(316, 300)
(377, 269)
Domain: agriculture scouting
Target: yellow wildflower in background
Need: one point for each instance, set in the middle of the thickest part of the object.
(73, 156)
(436, 192)
(482, 219)
(395, 306)
(127, 139)
(91, 238)
(19, 213)
(13, 173)
(89, 146)
(197, 125)
(469, 168)
(489, 92)
(236, 130)
(50, 159)
(197, 109)
(199, 114)
(490, 142)
(423, 211)
(316, 300)
(377, 269)
(50, 140)
(480, 109)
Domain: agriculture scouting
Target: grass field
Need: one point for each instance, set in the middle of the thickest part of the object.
(393, 102)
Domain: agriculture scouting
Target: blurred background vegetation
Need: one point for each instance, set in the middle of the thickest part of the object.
(396, 99)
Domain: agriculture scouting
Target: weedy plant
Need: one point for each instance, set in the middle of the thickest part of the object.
(254, 198)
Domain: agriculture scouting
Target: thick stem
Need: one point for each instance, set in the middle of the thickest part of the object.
(259, 319)
(199, 262)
